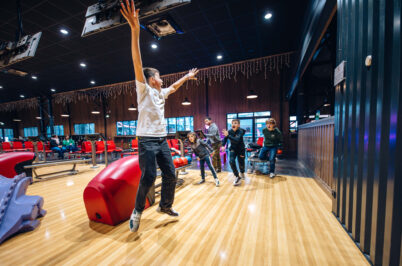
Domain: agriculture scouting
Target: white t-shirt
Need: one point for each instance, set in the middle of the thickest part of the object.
(151, 110)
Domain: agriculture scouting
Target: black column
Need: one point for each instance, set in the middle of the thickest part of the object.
(50, 113)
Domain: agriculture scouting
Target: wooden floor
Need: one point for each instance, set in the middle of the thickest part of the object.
(283, 221)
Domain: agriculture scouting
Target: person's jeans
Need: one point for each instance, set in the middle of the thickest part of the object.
(71, 148)
(216, 159)
(240, 155)
(207, 160)
(154, 151)
(60, 151)
(272, 154)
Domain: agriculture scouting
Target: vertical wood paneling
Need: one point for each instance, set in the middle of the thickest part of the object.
(316, 149)
(368, 127)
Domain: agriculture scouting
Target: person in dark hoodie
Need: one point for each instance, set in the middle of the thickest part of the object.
(216, 143)
(202, 150)
(56, 147)
(237, 149)
(272, 141)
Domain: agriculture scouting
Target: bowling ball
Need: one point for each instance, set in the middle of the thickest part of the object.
(184, 160)
(177, 162)
(280, 151)
(189, 159)
(176, 157)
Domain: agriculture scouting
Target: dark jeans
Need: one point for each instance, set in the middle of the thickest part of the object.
(272, 153)
(154, 151)
(72, 148)
(60, 151)
(240, 155)
(207, 160)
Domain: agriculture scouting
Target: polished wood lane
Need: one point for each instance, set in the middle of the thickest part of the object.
(280, 221)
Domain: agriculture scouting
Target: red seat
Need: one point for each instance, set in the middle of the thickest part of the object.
(100, 147)
(260, 141)
(111, 146)
(29, 145)
(17, 146)
(169, 143)
(40, 148)
(86, 147)
(134, 144)
(6, 146)
(175, 144)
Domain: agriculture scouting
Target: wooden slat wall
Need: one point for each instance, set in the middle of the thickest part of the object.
(316, 150)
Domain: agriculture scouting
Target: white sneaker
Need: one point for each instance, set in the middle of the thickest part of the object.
(250, 171)
(134, 223)
(217, 183)
(242, 175)
(271, 175)
(237, 182)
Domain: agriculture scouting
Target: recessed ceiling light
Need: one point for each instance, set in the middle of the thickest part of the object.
(34, 77)
(107, 116)
(83, 65)
(1, 87)
(22, 96)
(95, 112)
(327, 104)
(17, 120)
(65, 115)
(268, 16)
(52, 90)
(154, 46)
(219, 57)
(38, 117)
(64, 31)
(92, 81)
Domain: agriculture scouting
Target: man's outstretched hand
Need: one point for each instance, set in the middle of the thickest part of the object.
(191, 74)
(131, 15)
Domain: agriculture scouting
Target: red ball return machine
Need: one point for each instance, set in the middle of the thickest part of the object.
(110, 197)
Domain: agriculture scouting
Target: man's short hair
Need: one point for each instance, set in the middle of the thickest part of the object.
(270, 121)
(234, 120)
(149, 72)
(208, 118)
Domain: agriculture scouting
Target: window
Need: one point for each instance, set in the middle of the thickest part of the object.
(126, 128)
(30, 132)
(58, 130)
(172, 125)
(293, 124)
(8, 134)
(83, 129)
(185, 123)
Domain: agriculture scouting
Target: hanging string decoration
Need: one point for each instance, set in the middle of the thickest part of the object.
(219, 73)
(30, 103)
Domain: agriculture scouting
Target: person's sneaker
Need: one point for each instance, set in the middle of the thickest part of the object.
(242, 176)
(219, 170)
(249, 171)
(168, 211)
(271, 175)
(217, 183)
(237, 182)
(134, 223)
(201, 181)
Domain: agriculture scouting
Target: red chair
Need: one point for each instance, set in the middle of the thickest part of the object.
(175, 144)
(6, 147)
(134, 144)
(100, 147)
(40, 148)
(17, 146)
(111, 147)
(86, 147)
(29, 145)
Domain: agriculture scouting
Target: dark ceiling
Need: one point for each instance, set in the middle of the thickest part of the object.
(236, 29)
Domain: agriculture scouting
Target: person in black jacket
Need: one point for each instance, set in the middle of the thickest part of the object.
(237, 149)
(56, 146)
(202, 150)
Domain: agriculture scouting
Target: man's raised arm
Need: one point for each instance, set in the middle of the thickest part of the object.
(131, 15)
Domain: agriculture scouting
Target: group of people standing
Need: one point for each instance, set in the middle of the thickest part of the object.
(237, 150)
